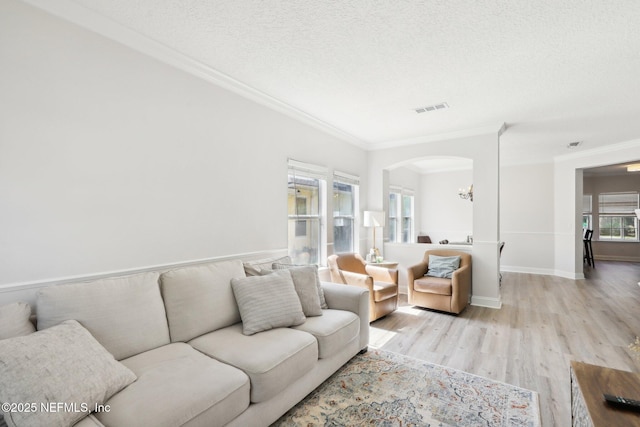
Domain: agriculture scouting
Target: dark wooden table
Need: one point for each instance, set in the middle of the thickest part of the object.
(589, 383)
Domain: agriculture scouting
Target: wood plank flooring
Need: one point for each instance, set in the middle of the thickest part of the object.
(545, 322)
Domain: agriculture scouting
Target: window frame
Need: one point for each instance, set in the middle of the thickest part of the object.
(620, 212)
(297, 172)
(353, 181)
(397, 217)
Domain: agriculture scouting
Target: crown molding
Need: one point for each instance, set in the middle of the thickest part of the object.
(100, 24)
(496, 129)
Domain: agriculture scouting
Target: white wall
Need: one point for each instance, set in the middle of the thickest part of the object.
(444, 215)
(111, 160)
(526, 218)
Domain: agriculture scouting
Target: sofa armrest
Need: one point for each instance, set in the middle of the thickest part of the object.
(350, 298)
(382, 274)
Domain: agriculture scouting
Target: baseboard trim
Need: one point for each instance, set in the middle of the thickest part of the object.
(616, 258)
(486, 302)
(543, 272)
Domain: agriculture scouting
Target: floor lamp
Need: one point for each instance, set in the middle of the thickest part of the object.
(374, 219)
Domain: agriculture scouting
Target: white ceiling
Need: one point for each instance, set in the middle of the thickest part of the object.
(555, 71)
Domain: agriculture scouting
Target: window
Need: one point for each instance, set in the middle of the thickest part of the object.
(394, 201)
(407, 218)
(306, 206)
(617, 219)
(586, 212)
(345, 206)
(401, 215)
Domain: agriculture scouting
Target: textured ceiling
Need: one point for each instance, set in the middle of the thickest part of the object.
(554, 71)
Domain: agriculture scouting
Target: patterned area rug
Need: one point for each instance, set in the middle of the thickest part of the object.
(380, 388)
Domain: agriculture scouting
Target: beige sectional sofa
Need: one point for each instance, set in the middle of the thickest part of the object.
(181, 334)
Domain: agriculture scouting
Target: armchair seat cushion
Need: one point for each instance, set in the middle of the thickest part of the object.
(384, 290)
(433, 285)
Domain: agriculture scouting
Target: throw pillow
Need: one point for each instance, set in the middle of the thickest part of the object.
(253, 268)
(14, 320)
(61, 365)
(267, 302)
(283, 266)
(443, 266)
(304, 280)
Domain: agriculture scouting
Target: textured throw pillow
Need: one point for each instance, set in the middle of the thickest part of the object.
(304, 280)
(283, 266)
(62, 365)
(267, 302)
(442, 266)
(14, 320)
(253, 268)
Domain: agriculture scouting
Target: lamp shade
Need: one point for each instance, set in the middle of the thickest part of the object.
(373, 219)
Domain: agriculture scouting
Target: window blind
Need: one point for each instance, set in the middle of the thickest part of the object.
(618, 203)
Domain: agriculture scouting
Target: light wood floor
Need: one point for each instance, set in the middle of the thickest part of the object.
(545, 322)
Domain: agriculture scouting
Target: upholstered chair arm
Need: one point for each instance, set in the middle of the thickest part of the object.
(356, 279)
(382, 274)
(460, 288)
(416, 271)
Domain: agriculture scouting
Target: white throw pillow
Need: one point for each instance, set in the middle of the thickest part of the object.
(61, 370)
(14, 320)
(267, 302)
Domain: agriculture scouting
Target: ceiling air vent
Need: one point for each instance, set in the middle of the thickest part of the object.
(435, 107)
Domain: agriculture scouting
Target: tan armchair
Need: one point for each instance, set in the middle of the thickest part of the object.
(382, 283)
(451, 295)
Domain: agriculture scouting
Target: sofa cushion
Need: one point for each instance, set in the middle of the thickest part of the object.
(272, 359)
(384, 290)
(333, 330)
(176, 384)
(199, 298)
(267, 302)
(255, 267)
(62, 364)
(14, 320)
(308, 270)
(433, 285)
(125, 314)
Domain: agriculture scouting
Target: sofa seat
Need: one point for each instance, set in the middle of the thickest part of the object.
(176, 384)
(272, 359)
(433, 285)
(333, 330)
(384, 290)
